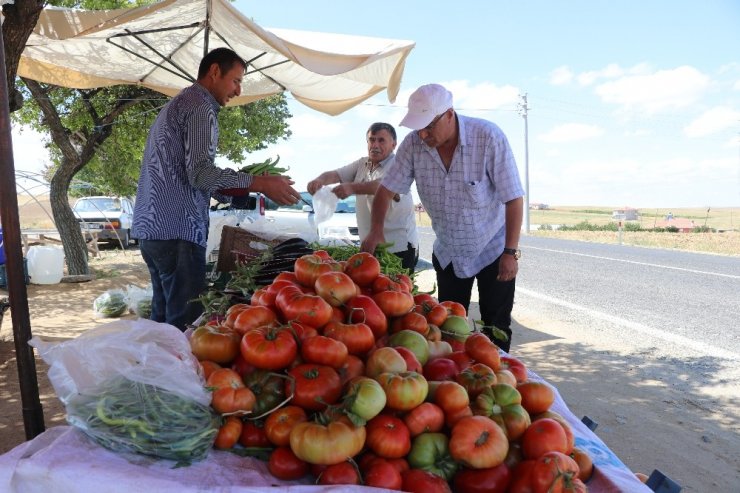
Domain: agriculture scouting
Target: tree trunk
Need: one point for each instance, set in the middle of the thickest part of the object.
(20, 19)
(75, 248)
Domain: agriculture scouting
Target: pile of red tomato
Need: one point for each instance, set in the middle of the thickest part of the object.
(340, 372)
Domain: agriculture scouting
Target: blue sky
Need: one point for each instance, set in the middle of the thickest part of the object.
(631, 103)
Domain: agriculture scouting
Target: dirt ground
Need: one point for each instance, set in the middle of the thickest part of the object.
(672, 412)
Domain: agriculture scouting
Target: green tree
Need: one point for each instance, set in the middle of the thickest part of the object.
(98, 136)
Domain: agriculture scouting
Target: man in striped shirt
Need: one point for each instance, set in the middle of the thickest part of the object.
(178, 179)
(469, 184)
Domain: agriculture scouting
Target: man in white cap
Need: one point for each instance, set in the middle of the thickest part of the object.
(469, 184)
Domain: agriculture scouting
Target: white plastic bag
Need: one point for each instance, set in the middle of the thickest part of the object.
(324, 204)
(134, 386)
(139, 300)
(110, 304)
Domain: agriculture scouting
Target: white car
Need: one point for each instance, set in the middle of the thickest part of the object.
(109, 217)
(299, 220)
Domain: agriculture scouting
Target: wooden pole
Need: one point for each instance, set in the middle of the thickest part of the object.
(33, 414)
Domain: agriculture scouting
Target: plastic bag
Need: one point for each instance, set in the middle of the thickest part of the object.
(134, 386)
(139, 300)
(324, 204)
(110, 304)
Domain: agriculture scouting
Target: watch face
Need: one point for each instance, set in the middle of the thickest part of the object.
(518, 254)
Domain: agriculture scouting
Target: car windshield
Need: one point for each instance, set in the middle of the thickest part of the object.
(98, 205)
(348, 205)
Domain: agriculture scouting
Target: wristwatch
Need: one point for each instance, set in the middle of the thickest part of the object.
(513, 251)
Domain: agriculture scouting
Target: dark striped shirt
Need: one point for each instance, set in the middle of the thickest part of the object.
(178, 174)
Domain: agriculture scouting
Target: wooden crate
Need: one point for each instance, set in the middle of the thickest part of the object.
(238, 244)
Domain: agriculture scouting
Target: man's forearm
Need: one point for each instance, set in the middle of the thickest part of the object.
(514, 212)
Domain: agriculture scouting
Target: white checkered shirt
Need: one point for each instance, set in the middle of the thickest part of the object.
(466, 204)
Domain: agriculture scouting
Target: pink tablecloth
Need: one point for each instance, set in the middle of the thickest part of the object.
(63, 459)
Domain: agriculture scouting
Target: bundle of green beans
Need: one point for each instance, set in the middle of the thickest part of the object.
(141, 418)
(268, 166)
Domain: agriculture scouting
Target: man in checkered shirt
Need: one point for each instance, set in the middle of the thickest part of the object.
(469, 184)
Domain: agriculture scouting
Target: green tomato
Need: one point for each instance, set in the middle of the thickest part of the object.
(365, 398)
(413, 341)
(430, 452)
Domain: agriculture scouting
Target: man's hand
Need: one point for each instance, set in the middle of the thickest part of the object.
(314, 186)
(507, 268)
(277, 189)
(372, 240)
(343, 190)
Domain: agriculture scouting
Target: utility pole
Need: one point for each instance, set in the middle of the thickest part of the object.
(523, 109)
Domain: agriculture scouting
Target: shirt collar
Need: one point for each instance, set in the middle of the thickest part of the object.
(384, 161)
(207, 94)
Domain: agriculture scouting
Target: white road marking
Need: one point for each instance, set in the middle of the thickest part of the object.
(647, 264)
(642, 328)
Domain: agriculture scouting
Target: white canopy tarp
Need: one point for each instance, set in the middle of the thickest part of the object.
(159, 46)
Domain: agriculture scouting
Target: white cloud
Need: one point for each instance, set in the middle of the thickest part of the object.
(561, 76)
(611, 71)
(736, 86)
(712, 121)
(571, 132)
(664, 89)
(484, 96)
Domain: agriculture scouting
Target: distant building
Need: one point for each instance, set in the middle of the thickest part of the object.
(538, 206)
(682, 224)
(625, 214)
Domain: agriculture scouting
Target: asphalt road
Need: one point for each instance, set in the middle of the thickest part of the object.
(681, 298)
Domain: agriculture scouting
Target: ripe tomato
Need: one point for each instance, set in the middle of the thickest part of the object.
(383, 474)
(309, 267)
(553, 472)
(420, 481)
(461, 358)
(214, 343)
(316, 386)
(295, 305)
(476, 379)
(280, 422)
(505, 376)
(363, 309)
(404, 391)
(440, 369)
(327, 444)
(335, 287)
(478, 442)
(208, 367)
(357, 337)
(542, 436)
(228, 433)
(269, 348)
(324, 350)
(233, 401)
(394, 303)
(454, 308)
(566, 426)
(537, 397)
(363, 268)
(489, 480)
(284, 464)
(515, 366)
(388, 437)
(450, 396)
(436, 315)
(427, 298)
(253, 434)
(342, 473)
(224, 378)
(585, 463)
(426, 417)
(254, 317)
(412, 362)
(411, 321)
(482, 350)
(352, 367)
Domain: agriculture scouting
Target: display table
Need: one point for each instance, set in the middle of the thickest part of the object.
(63, 459)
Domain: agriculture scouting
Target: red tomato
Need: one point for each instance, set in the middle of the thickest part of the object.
(342, 473)
(537, 397)
(363, 309)
(233, 401)
(482, 350)
(240, 365)
(280, 422)
(254, 317)
(269, 348)
(489, 480)
(309, 267)
(214, 343)
(476, 379)
(394, 303)
(436, 315)
(316, 386)
(440, 369)
(585, 463)
(324, 350)
(404, 391)
(515, 366)
(478, 442)
(553, 472)
(450, 396)
(323, 255)
(253, 435)
(284, 464)
(335, 287)
(388, 437)
(427, 298)
(566, 426)
(286, 276)
(386, 283)
(229, 433)
(357, 337)
(426, 417)
(461, 358)
(307, 309)
(382, 474)
(454, 308)
(420, 481)
(452, 417)
(412, 362)
(542, 436)
(363, 268)
(224, 378)
(208, 367)
(411, 321)
(352, 367)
